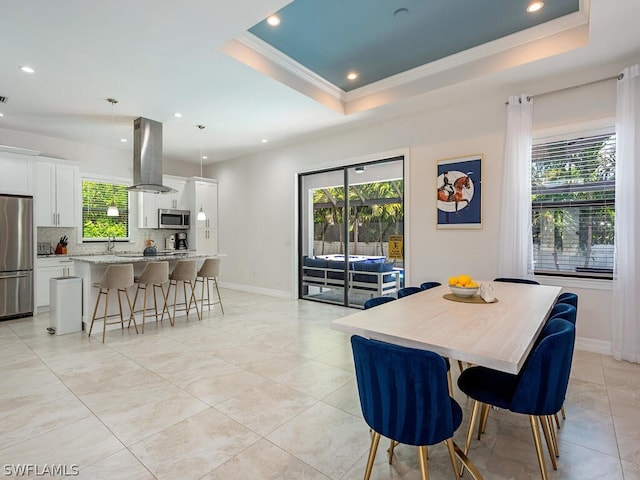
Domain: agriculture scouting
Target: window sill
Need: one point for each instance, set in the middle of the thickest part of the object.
(574, 282)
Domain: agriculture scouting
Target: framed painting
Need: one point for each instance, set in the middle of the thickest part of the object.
(459, 192)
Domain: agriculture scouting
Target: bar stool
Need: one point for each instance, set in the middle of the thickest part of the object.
(155, 274)
(209, 272)
(118, 277)
(185, 271)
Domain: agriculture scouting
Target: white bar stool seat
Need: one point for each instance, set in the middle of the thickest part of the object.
(118, 277)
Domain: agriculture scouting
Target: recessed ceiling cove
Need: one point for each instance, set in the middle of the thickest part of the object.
(385, 44)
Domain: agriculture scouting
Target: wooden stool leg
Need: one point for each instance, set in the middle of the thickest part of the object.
(144, 307)
(95, 310)
(166, 307)
(195, 300)
(215, 280)
(133, 316)
(118, 291)
(106, 309)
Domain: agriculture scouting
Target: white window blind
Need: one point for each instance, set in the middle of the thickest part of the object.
(573, 206)
(96, 197)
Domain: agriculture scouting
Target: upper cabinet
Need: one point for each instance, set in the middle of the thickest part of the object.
(57, 193)
(16, 174)
(206, 197)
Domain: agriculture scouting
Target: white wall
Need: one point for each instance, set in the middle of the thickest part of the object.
(258, 197)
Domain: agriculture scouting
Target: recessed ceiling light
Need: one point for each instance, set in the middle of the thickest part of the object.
(352, 75)
(264, 140)
(273, 20)
(535, 6)
(177, 115)
(27, 69)
(123, 140)
(204, 157)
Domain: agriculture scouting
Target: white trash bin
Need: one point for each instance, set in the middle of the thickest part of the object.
(65, 305)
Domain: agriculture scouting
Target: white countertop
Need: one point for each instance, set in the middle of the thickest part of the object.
(125, 257)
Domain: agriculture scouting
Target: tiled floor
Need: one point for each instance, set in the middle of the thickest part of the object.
(264, 392)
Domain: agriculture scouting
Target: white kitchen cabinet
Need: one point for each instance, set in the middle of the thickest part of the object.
(16, 174)
(177, 200)
(57, 193)
(206, 241)
(148, 210)
(204, 233)
(46, 269)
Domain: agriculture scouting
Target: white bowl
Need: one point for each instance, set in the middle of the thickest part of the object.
(464, 292)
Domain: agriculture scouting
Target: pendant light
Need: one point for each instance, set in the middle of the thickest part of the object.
(112, 211)
(201, 215)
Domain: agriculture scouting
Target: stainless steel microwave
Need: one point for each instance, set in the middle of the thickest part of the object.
(173, 219)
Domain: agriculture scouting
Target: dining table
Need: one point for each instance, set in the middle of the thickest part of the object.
(497, 335)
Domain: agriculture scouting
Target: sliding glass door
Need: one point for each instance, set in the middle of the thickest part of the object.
(351, 232)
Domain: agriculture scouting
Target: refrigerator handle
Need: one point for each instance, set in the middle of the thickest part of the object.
(14, 275)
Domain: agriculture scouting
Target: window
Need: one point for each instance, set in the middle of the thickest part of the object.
(96, 197)
(573, 206)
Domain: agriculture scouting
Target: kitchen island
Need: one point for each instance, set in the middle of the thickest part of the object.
(91, 269)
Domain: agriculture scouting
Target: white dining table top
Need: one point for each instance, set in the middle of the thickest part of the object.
(495, 335)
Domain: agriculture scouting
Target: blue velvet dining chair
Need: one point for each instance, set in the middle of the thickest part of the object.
(404, 397)
(570, 298)
(516, 280)
(564, 310)
(375, 301)
(428, 285)
(406, 291)
(538, 390)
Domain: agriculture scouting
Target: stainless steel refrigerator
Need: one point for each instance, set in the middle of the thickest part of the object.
(16, 256)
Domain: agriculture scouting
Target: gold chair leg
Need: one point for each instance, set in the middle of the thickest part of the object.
(483, 419)
(547, 438)
(450, 383)
(554, 438)
(424, 466)
(375, 439)
(466, 463)
(564, 417)
(452, 455)
(538, 443)
(472, 421)
(555, 415)
(392, 446)
(460, 366)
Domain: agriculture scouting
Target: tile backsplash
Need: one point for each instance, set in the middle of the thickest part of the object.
(52, 235)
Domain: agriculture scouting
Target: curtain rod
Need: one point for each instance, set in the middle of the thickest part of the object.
(615, 77)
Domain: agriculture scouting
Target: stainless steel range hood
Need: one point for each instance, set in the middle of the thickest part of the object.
(147, 157)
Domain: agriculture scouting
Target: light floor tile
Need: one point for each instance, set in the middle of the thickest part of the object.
(194, 447)
(265, 391)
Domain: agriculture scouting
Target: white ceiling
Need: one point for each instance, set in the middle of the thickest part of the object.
(160, 57)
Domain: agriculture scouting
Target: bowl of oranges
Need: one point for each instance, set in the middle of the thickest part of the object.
(463, 286)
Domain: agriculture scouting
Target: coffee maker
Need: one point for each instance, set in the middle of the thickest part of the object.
(181, 241)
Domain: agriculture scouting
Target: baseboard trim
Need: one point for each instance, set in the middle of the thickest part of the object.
(258, 290)
(594, 346)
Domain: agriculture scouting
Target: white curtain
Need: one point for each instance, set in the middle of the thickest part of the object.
(516, 246)
(626, 276)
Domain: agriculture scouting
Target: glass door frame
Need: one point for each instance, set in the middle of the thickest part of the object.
(302, 195)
